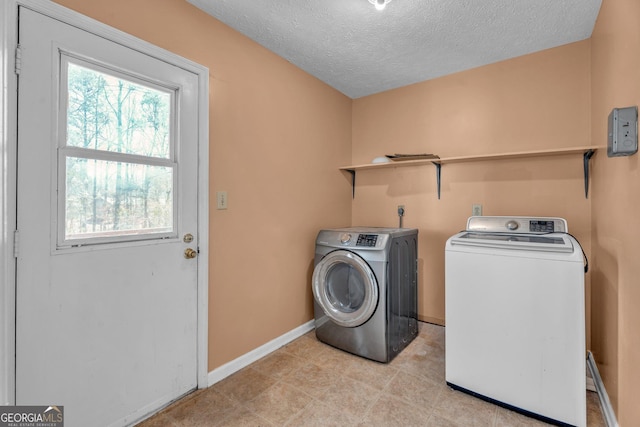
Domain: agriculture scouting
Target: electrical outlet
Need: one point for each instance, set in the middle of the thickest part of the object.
(221, 199)
(476, 210)
(400, 210)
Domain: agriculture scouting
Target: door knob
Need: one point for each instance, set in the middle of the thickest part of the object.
(190, 253)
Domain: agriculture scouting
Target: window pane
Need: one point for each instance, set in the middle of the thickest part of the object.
(109, 113)
(107, 198)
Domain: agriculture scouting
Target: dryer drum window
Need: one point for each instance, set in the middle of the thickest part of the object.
(346, 288)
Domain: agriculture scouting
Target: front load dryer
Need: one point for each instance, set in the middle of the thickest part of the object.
(365, 290)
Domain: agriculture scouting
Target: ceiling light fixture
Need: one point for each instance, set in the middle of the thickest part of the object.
(379, 4)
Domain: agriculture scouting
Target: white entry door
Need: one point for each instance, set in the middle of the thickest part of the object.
(106, 314)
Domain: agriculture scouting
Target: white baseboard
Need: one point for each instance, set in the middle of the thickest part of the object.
(605, 403)
(235, 365)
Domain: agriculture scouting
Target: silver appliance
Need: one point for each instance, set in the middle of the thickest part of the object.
(365, 290)
(515, 316)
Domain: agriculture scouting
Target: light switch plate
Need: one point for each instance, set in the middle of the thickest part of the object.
(221, 199)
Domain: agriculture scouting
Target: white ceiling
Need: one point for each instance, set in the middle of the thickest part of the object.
(360, 51)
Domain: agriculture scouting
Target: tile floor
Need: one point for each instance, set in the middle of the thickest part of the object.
(307, 383)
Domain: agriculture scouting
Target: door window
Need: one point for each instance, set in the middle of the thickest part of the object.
(345, 288)
(116, 156)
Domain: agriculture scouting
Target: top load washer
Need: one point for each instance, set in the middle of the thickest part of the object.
(515, 322)
(365, 290)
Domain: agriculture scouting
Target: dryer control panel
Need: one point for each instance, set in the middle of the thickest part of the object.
(350, 238)
(361, 238)
(368, 240)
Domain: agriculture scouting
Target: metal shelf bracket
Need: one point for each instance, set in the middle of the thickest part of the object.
(438, 175)
(586, 157)
(353, 182)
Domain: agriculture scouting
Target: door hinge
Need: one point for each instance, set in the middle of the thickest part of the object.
(18, 59)
(16, 243)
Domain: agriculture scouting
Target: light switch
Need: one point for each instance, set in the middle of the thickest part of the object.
(221, 199)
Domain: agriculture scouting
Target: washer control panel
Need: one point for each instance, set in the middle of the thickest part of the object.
(516, 225)
(542, 226)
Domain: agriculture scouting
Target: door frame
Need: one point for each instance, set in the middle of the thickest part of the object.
(8, 174)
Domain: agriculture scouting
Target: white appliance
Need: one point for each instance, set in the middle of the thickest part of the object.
(515, 322)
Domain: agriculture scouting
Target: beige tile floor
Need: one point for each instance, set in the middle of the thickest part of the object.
(307, 383)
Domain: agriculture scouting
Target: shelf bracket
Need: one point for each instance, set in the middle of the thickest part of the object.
(438, 174)
(585, 159)
(353, 182)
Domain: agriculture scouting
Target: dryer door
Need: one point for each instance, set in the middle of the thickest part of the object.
(345, 287)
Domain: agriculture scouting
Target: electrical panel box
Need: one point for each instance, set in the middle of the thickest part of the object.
(623, 132)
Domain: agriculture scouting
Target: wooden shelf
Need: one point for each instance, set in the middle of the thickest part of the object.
(390, 164)
(586, 151)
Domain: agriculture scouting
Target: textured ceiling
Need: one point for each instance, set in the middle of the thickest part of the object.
(360, 51)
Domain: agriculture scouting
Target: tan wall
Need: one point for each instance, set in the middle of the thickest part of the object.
(535, 102)
(277, 137)
(615, 72)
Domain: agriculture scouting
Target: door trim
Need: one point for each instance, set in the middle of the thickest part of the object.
(8, 174)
